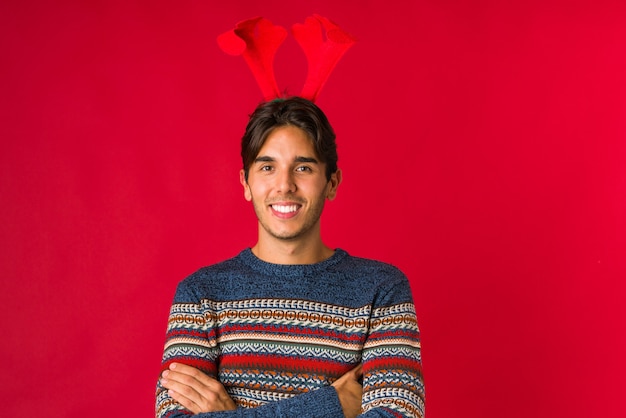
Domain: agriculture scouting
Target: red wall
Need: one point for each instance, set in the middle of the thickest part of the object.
(483, 145)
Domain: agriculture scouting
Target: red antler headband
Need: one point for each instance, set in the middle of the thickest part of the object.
(257, 39)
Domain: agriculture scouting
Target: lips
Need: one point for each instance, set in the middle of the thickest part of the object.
(285, 210)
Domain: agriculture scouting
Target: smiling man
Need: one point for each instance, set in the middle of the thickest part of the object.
(292, 327)
(288, 186)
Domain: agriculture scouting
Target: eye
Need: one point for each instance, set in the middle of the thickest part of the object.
(304, 169)
(265, 168)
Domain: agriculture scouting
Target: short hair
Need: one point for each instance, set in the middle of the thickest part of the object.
(293, 111)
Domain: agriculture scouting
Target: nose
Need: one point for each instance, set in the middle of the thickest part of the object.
(285, 182)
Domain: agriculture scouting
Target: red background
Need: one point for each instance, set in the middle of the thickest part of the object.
(483, 145)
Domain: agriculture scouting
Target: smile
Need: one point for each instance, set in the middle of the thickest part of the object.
(285, 208)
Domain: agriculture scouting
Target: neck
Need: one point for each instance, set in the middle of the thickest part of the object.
(277, 251)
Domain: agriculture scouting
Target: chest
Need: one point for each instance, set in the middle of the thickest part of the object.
(286, 346)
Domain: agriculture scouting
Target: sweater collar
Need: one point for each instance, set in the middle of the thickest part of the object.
(251, 260)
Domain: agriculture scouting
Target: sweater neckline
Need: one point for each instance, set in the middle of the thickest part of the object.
(251, 260)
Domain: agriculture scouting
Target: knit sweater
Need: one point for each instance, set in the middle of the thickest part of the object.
(277, 336)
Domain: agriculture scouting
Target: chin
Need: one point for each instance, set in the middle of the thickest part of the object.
(286, 236)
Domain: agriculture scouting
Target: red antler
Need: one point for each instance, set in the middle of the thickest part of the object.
(257, 39)
(322, 54)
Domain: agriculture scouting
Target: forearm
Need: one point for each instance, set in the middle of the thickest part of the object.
(397, 391)
(392, 384)
(190, 341)
(322, 402)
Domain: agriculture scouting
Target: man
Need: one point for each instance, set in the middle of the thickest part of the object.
(291, 327)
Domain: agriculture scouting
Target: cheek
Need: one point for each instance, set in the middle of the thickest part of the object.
(255, 191)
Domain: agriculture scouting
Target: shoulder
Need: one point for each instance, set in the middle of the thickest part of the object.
(210, 280)
(384, 279)
(366, 267)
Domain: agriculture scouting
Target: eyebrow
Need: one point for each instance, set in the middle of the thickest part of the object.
(268, 159)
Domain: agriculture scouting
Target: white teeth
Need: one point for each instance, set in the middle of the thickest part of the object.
(285, 209)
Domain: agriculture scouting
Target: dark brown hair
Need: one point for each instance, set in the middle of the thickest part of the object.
(293, 111)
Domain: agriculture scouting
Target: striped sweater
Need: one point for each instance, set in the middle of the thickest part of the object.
(277, 336)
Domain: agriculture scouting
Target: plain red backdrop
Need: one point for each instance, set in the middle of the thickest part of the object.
(483, 145)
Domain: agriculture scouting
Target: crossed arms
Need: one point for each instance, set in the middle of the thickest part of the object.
(292, 358)
(200, 393)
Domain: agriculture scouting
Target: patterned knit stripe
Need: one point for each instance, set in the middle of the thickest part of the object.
(408, 352)
(175, 330)
(321, 316)
(392, 310)
(394, 339)
(287, 365)
(190, 341)
(189, 315)
(390, 317)
(404, 402)
(293, 319)
(204, 317)
(252, 398)
(188, 353)
(296, 305)
(281, 381)
(295, 350)
(395, 360)
(348, 335)
(393, 378)
(293, 336)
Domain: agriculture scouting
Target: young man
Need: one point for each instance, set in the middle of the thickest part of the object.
(291, 327)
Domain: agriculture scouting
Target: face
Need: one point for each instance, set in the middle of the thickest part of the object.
(287, 185)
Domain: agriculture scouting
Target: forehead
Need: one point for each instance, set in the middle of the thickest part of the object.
(287, 140)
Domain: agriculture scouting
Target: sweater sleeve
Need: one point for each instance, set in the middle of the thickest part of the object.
(392, 365)
(192, 339)
(321, 403)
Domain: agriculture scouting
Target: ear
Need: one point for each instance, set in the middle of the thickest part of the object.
(333, 184)
(246, 188)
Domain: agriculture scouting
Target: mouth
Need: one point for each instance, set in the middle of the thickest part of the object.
(284, 210)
